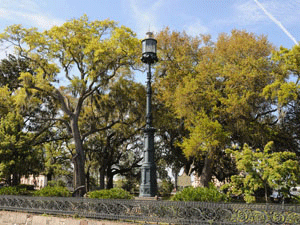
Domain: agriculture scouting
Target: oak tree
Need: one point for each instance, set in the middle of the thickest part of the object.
(116, 150)
(217, 88)
(70, 63)
(21, 138)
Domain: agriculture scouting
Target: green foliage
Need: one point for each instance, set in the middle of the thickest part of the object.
(130, 184)
(10, 69)
(203, 194)
(114, 193)
(263, 169)
(165, 188)
(20, 136)
(284, 90)
(285, 93)
(109, 149)
(17, 155)
(28, 187)
(53, 191)
(249, 198)
(216, 88)
(14, 191)
(91, 55)
(56, 183)
(57, 160)
(204, 135)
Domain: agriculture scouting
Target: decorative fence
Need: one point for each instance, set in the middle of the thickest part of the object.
(156, 211)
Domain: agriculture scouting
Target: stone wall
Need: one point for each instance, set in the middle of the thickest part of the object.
(18, 218)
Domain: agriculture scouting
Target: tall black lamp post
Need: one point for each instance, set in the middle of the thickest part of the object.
(148, 186)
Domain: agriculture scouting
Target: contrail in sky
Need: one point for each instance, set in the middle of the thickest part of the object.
(277, 22)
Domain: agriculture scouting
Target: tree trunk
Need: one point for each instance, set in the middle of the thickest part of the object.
(206, 173)
(49, 176)
(15, 179)
(79, 161)
(110, 182)
(102, 177)
(266, 192)
(175, 174)
(110, 177)
(88, 179)
(8, 180)
(175, 181)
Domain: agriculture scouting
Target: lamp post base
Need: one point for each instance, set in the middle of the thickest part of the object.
(148, 186)
(147, 198)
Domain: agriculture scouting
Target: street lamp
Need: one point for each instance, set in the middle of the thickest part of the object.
(148, 187)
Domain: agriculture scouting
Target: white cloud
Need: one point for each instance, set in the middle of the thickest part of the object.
(195, 28)
(4, 13)
(286, 11)
(150, 15)
(146, 15)
(278, 23)
(248, 13)
(40, 20)
(28, 5)
(266, 13)
(27, 12)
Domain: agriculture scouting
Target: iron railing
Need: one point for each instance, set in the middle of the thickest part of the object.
(156, 211)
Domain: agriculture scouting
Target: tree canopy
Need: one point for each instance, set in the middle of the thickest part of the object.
(71, 63)
(217, 88)
(263, 169)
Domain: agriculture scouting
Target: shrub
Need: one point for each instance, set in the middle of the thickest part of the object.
(203, 194)
(14, 191)
(131, 185)
(56, 191)
(55, 183)
(165, 188)
(114, 193)
(28, 187)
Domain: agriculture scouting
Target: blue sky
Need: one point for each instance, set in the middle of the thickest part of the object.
(193, 16)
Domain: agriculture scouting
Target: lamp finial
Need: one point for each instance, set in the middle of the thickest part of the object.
(149, 34)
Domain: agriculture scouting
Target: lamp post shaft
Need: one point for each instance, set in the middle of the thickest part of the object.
(149, 100)
(148, 186)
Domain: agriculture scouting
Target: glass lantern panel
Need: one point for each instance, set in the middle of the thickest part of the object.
(143, 46)
(149, 45)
